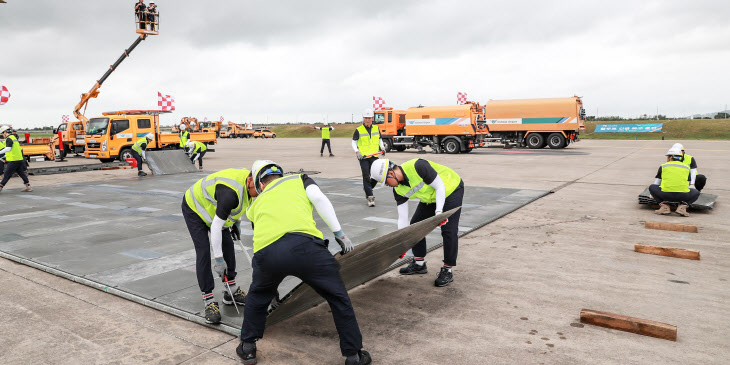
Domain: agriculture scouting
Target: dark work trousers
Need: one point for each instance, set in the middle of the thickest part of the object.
(660, 196)
(700, 181)
(2, 167)
(199, 233)
(367, 182)
(15, 167)
(325, 142)
(200, 159)
(308, 259)
(449, 231)
(137, 157)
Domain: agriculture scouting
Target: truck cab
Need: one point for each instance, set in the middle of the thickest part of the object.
(73, 137)
(392, 124)
(112, 135)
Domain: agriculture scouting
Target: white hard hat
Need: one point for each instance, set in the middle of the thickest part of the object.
(183, 127)
(190, 143)
(367, 113)
(678, 145)
(150, 136)
(152, 2)
(674, 151)
(262, 168)
(4, 128)
(379, 171)
(326, 123)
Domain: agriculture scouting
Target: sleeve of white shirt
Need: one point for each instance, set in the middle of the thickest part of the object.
(380, 142)
(216, 236)
(403, 220)
(354, 145)
(692, 176)
(324, 207)
(657, 181)
(143, 155)
(5, 150)
(438, 185)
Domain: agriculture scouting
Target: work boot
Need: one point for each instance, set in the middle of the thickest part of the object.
(213, 313)
(200, 167)
(682, 210)
(363, 359)
(445, 277)
(331, 155)
(1, 188)
(247, 352)
(371, 201)
(141, 173)
(239, 296)
(27, 188)
(663, 209)
(321, 154)
(414, 268)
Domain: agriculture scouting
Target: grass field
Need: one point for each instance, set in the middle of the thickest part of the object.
(305, 131)
(672, 129)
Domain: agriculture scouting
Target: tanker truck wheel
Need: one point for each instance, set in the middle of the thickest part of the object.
(556, 140)
(387, 145)
(535, 141)
(452, 146)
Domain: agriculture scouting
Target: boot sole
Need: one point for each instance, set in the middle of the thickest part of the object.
(415, 272)
(230, 302)
(442, 285)
(211, 322)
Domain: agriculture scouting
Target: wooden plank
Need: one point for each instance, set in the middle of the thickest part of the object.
(667, 251)
(629, 324)
(671, 227)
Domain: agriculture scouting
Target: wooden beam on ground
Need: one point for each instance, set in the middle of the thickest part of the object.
(671, 227)
(629, 324)
(667, 251)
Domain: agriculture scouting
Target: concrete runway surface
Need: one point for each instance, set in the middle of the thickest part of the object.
(519, 286)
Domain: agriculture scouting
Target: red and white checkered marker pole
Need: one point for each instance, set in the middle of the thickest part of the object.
(205, 119)
(221, 119)
(378, 103)
(64, 118)
(460, 98)
(4, 95)
(165, 102)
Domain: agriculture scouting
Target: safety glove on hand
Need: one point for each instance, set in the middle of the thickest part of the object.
(359, 155)
(220, 267)
(236, 231)
(444, 221)
(343, 241)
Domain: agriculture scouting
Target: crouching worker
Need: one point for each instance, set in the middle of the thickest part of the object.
(196, 151)
(214, 205)
(672, 184)
(15, 160)
(138, 152)
(438, 188)
(286, 242)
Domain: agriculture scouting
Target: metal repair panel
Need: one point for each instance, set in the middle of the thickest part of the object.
(167, 162)
(704, 202)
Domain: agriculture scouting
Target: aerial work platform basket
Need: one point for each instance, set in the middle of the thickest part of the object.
(147, 23)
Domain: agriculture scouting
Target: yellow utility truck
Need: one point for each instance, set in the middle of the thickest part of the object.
(112, 135)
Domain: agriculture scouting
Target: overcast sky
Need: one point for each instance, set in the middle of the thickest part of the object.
(305, 61)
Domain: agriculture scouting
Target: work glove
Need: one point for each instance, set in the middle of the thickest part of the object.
(445, 220)
(382, 153)
(344, 242)
(220, 267)
(359, 155)
(236, 231)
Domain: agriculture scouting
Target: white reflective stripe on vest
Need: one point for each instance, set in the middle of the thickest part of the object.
(680, 165)
(414, 190)
(199, 208)
(208, 183)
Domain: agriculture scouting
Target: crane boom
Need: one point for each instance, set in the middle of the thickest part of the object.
(94, 92)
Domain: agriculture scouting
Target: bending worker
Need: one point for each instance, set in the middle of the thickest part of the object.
(196, 151)
(287, 242)
(695, 181)
(672, 184)
(438, 188)
(15, 160)
(326, 128)
(367, 145)
(138, 151)
(214, 206)
(184, 136)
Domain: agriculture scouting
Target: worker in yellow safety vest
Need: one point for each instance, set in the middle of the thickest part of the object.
(139, 149)
(13, 153)
(212, 209)
(184, 136)
(672, 184)
(439, 189)
(196, 151)
(367, 145)
(696, 180)
(326, 129)
(286, 242)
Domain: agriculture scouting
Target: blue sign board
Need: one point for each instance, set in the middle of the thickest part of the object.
(628, 128)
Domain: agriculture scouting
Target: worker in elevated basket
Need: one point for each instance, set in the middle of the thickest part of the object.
(287, 242)
(213, 207)
(696, 181)
(672, 184)
(367, 145)
(439, 189)
(196, 151)
(139, 151)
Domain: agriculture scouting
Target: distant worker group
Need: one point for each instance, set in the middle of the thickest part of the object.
(146, 15)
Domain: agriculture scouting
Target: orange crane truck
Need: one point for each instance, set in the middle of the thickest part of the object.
(112, 135)
(450, 129)
(534, 123)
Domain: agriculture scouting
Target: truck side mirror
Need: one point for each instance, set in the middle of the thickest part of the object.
(55, 131)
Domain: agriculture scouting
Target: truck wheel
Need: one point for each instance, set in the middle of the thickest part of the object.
(400, 148)
(452, 146)
(105, 160)
(125, 154)
(274, 136)
(388, 145)
(535, 140)
(556, 140)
